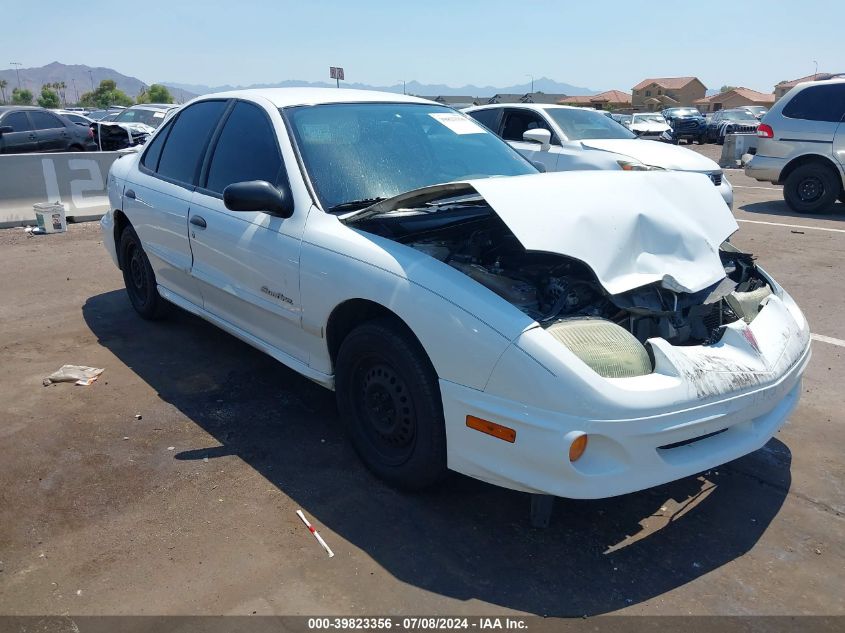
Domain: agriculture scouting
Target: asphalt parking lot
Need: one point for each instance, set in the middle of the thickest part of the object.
(191, 508)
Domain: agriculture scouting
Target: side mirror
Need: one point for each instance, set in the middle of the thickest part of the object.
(259, 195)
(539, 166)
(6, 129)
(538, 135)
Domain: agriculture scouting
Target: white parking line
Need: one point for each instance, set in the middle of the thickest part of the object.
(828, 339)
(750, 187)
(794, 226)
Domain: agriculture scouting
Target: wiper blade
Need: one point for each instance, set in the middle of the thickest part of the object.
(354, 205)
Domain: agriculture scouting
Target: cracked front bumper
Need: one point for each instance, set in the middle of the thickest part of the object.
(703, 406)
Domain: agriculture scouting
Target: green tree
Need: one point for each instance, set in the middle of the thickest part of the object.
(3, 84)
(725, 88)
(49, 97)
(21, 97)
(106, 95)
(155, 94)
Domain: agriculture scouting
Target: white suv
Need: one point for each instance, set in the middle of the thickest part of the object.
(564, 138)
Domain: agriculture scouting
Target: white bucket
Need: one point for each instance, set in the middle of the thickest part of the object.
(50, 216)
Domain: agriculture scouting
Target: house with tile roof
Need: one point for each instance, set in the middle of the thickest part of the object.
(608, 100)
(666, 92)
(734, 98)
(781, 88)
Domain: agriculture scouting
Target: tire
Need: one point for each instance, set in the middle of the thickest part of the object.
(139, 278)
(389, 399)
(75, 148)
(812, 188)
(702, 140)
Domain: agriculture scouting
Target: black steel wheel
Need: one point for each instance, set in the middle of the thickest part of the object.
(138, 276)
(389, 398)
(812, 188)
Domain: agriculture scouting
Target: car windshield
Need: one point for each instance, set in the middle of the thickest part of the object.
(153, 118)
(360, 152)
(649, 118)
(740, 115)
(580, 124)
(683, 112)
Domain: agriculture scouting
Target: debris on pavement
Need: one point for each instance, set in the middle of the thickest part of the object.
(315, 533)
(138, 416)
(171, 448)
(77, 374)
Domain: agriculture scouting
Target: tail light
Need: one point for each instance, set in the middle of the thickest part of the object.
(765, 131)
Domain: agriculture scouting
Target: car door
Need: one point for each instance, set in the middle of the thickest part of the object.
(53, 135)
(515, 122)
(247, 263)
(22, 138)
(157, 196)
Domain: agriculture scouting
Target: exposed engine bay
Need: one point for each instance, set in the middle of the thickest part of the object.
(550, 288)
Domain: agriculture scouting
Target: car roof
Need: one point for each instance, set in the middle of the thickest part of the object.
(6, 108)
(285, 97)
(531, 106)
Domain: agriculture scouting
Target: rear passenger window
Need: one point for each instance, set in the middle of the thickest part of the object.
(151, 156)
(487, 118)
(45, 120)
(188, 139)
(19, 121)
(246, 150)
(818, 103)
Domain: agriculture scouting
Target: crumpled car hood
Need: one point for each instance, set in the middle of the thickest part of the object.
(657, 154)
(631, 228)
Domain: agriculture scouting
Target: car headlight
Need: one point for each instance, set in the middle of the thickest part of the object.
(635, 165)
(606, 348)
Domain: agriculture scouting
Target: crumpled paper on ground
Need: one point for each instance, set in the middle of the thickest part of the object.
(78, 374)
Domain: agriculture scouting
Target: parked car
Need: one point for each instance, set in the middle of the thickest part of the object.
(624, 119)
(26, 129)
(580, 334)
(562, 138)
(144, 117)
(649, 125)
(687, 124)
(733, 121)
(801, 145)
(75, 117)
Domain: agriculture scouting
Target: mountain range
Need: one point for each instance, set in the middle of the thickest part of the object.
(80, 78)
(543, 84)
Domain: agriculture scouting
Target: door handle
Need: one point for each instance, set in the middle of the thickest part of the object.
(130, 193)
(199, 221)
(32, 137)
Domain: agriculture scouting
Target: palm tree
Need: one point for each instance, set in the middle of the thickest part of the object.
(3, 84)
(62, 87)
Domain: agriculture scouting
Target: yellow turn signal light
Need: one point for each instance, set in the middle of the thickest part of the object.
(577, 448)
(491, 428)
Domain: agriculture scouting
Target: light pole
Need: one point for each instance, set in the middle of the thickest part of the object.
(532, 80)
(403, 86)
(75, 91)
(817, 69)
(91, 75)
(17, 72)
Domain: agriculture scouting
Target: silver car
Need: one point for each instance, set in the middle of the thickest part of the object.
(802, 146)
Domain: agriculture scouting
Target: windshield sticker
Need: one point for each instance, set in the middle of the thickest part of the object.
(457, 123)
(158, 115)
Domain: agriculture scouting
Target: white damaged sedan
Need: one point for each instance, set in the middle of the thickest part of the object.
(578, 334)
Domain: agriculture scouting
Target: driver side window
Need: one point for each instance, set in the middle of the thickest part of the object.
(518, 122)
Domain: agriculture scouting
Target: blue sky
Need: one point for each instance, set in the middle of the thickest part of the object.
(600, 44)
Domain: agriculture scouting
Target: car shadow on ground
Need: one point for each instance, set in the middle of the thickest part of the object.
(779, 207)
(466, 539)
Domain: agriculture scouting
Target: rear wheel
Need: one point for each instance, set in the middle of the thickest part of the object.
(138, 277)
(389, 398)
(812, 188)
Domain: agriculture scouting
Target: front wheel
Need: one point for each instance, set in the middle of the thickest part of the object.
(389, 398)
(812, 188)
(138, 277)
